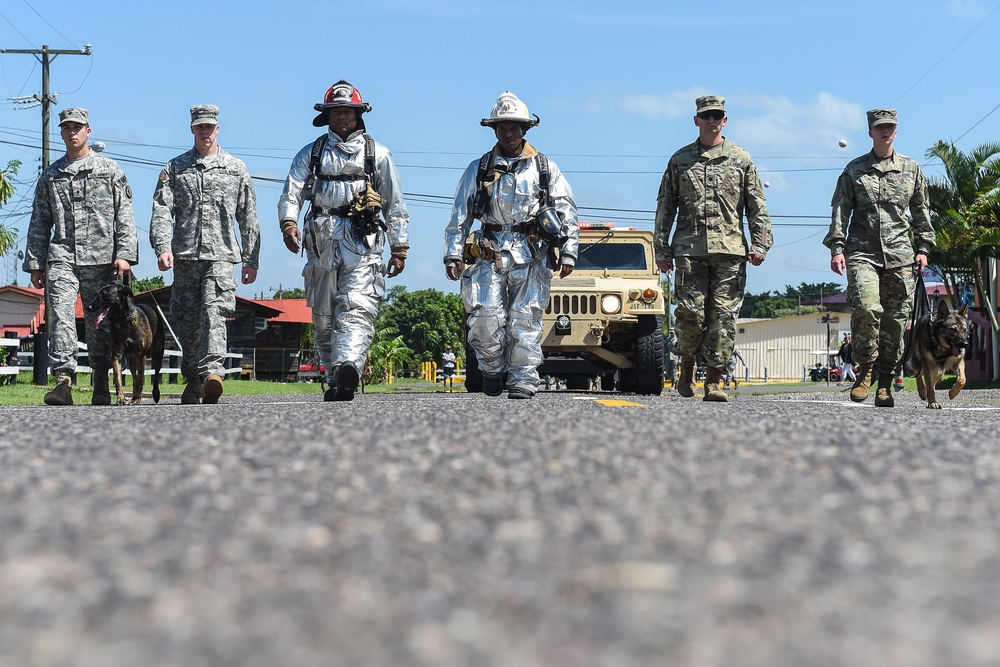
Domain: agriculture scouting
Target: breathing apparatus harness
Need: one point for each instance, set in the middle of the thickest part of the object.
(545, 224)
(364, 210)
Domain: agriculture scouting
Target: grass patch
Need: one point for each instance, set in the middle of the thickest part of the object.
(25, 392)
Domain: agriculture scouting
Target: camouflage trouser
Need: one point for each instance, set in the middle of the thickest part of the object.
(880, 301)
(709, 293)
(203, 295)
(63, 281)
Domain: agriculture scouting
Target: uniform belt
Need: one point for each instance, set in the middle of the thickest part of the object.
(519, 228)
(339, 211)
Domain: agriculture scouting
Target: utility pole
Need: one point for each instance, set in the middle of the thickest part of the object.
(45, 55)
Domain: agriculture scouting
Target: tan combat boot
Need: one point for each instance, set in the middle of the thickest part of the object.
(862, 383)
(192, 392)
(62, 393)
(685, 383)
(883, 395)
(102, 389)
(212, 390)
(712, 391)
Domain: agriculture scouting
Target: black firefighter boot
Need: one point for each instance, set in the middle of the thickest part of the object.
(685, 383)
(883, 395)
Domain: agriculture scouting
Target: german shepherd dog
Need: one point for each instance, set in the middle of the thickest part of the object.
(937, 346)
(136, 335)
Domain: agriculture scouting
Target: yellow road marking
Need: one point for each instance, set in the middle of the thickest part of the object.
(614, 403)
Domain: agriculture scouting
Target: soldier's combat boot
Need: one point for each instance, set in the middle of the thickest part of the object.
(62, 393)
(192, 392)
(685, 383)
(883, 395)
(211, 389)
(712, 391)
(862, 383)
(102, 391)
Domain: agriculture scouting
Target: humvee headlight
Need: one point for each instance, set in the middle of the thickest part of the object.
(610, 304)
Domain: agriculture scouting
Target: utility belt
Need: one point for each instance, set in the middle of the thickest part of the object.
(339, 211)
(519, 228)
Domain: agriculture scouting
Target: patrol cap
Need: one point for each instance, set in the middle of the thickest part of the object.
(881, 117)
(74, 115)
(710, 103)
(204, 114)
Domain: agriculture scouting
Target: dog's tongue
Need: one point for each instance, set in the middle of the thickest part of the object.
(956, 351)
(100, 318)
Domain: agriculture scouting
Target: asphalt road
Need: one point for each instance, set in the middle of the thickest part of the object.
(452, 529)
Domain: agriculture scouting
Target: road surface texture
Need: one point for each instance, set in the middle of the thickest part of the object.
(453, 529)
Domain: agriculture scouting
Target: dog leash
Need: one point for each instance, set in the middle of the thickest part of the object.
(921, 306)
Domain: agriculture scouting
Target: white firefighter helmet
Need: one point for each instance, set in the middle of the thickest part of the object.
(340, 94)
(509, 109)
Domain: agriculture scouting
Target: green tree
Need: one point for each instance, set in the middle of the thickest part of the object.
(140, 285)
(965, 211)
(290, 293)
(387, 353)
(428, 321)
(8, 235)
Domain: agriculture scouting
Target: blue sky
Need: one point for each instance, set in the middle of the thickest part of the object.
(614, 85)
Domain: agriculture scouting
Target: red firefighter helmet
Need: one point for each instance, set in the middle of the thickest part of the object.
(340, 94)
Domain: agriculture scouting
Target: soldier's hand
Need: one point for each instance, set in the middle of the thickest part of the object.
(919, 263)
(395, 266)
(249, 275)
(453, 270)
(755, 259)
(292, 239)
(665, 265)
(121, 267)
(165, 261)
(838, 264)
(38, 279)
(565, 270)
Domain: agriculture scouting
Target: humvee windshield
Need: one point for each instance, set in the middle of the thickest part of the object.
(621, 256)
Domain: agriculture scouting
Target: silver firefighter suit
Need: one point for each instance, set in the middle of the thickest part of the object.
(344, 274)
(507, 295)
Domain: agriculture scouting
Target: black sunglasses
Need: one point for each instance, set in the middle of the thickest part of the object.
(715, 114)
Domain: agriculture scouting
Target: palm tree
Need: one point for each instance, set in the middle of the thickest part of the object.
(8, 235)
(965, 210)
(388, 351)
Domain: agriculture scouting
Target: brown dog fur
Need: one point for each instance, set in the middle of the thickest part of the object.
(136, 334)
(939, 342)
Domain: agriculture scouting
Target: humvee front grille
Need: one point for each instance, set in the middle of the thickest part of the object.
(566, 304)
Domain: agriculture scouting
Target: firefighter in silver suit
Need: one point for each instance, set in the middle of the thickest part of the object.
(526, 209)
(356, 209)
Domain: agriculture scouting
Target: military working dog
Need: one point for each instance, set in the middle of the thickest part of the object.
(136, 335)
(938, 342)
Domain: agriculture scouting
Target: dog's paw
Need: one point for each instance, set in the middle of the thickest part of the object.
(953, 392)
(922, 394)
(933, 406)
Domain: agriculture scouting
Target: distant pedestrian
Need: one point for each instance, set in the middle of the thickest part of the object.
(81, 235)
(200, 197)
(448, 361)
(846, 354)
(731, 368)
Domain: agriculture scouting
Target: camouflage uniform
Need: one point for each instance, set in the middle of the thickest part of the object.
(708, 189)
(870, 227)
(195, 204)
(81, 223)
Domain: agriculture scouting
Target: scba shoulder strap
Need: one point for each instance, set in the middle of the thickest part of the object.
(315, 159)
(481, 199)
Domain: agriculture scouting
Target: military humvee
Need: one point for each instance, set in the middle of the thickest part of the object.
(604, 322)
